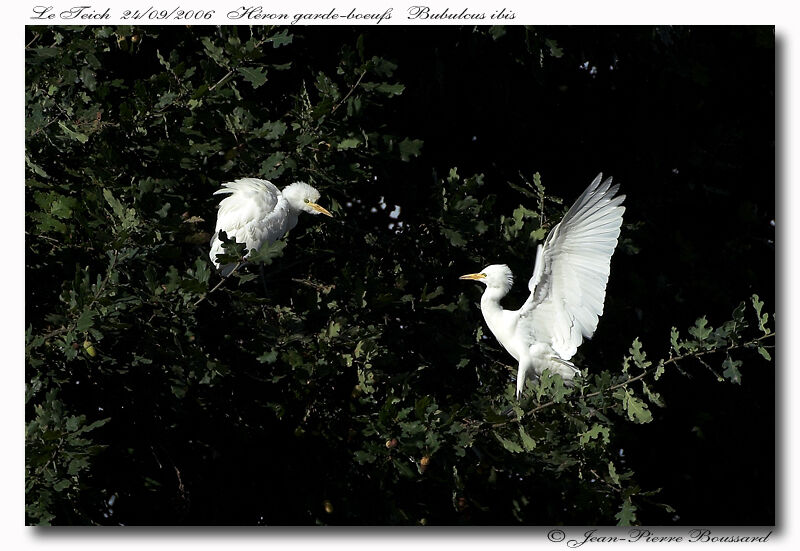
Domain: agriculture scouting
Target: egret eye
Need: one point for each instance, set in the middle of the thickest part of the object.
(306, 200)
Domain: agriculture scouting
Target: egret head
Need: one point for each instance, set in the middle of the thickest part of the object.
(496, 276)
(302, 197)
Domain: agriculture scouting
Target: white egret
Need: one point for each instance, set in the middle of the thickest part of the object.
(256, 212)
(568, 287)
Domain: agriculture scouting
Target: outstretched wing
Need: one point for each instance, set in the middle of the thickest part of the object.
(569, 280)
(250, 213)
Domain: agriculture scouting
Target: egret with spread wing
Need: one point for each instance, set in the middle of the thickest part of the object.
(256, 212)
(568, 287)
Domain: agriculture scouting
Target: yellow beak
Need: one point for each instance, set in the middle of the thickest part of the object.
(473, 276)
(320, 209)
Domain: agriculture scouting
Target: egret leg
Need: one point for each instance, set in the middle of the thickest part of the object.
(522, 375)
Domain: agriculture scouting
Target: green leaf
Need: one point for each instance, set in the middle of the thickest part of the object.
(274, 165)
(403, 468)
(363, 457)
(36, 168)
(62, 485)
(62, 206)
(88, 78)
(555, 51)
(256, 76)
(390, 89)
(73, 134)
(348, 143)
(116, 206)
(627, 514)
(455, 237)
(72, 423)
(673, 339)
(757, 304)
(497, 32)
(639, 356)
(653, 396)
(281, 39)
(738, 313)
(76, 466)
(202, 272)
(558, 390)
(764, 353)
(85, 321)
(267, 253)
(731, 371)
(272, 130)
(636, 409)
(166, 99)
(594, 433)
(510, 445)
(659, 370)
(409, 148)
(612, 473)
(268, 357)
(528, 442)
(701, 330)
(762, 318)
(420, 407)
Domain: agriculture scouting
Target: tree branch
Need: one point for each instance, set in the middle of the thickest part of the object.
(95, 297)
(218, 285)
(220, 81)
(352, 89)
(647, 371)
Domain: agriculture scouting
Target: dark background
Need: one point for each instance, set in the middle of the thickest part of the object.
(682, 117)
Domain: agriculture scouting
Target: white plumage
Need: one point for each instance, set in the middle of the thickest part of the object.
(568, 287)
(256, 212)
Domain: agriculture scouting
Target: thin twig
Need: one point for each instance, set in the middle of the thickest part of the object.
(672, 360)
(604, 481)
(313, 285)
(34, 39)
(41, 128)
(42, 236)
(220, 81)
(96, 296)
(352, 89)
(218, 285)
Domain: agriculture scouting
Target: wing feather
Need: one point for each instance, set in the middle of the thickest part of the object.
(568, 286)
(253, 212)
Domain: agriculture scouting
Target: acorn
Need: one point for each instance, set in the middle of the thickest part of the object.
(89, 347)
(391, 443)
(135, 38)
(328, 506)
(424, 462)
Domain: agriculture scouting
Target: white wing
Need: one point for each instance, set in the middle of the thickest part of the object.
(254, 212)
(569, 280)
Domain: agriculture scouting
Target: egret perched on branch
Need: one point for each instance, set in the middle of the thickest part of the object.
(568, 287)
(256, 212)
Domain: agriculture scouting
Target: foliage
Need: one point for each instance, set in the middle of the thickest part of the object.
(354, 382)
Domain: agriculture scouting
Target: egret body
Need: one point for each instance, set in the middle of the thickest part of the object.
(256, 212)
(568, 287)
